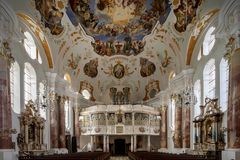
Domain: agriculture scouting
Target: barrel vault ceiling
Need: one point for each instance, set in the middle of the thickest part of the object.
(117, 43)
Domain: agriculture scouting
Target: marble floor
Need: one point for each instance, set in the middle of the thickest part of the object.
(119, 158)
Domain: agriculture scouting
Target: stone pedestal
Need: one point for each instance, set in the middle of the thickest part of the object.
(231, 154)
(8, 154)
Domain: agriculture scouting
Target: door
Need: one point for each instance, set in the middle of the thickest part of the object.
(120, 146)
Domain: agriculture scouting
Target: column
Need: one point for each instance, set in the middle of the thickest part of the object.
(135, 143)
(104, 143)
(178, 123)
(54, 133)
(149, 144)
(91, 143)
(186, 139)
(234, 98)
(107, 143)
(163, 127)
(62, 138)
(132, 143)
(76, 124)
(5, 97)
(53, 110)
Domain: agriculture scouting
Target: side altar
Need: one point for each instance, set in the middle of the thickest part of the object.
(30, 138)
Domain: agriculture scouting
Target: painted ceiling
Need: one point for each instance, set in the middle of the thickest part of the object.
(118, 26)
(117, 45)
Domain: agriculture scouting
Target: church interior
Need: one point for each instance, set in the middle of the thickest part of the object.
(120, 79)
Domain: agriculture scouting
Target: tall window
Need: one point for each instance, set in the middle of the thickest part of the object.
(41, 100)
(31, 48)
(29, 83)
(197, 93)
(15, 87)
(209, 77)
(86, 94)
(209, 41)
(67, 115)
(173, 104)
(224, 80)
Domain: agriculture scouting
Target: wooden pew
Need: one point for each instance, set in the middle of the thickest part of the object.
(166, 156)
(74, 156)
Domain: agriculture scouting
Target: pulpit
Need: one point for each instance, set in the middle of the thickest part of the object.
(30, 138)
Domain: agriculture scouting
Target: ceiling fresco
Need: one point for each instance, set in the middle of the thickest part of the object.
(186, 13)
(118, 26)
(51, 16)
(106, 44)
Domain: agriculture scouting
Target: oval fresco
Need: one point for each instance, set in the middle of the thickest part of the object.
(118, 71)
(118, 26)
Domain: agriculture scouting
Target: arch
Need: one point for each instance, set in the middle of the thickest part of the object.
(40, 36)
(200, 26)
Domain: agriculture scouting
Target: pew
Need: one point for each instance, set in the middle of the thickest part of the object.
(73, 156)
(167, 156)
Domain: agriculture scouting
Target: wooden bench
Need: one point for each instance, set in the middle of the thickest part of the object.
(74, 156)
(166, 156)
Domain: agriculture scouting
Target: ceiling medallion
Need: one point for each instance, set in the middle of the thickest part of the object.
(118, 26)
(119, 70)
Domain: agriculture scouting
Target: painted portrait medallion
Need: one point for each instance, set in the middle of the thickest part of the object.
(118, 71)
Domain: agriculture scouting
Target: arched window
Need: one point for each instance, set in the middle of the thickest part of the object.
(67, 77)
(67, 114)
(209, 77)
(209, 41)
(29, 83)
(173, 105)
(197, 93)
(224, 80)
(200, 54)
(41, 100)
(29, 45)
(172, 75)
(86, 94)
(15, 87)
(31, 48)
